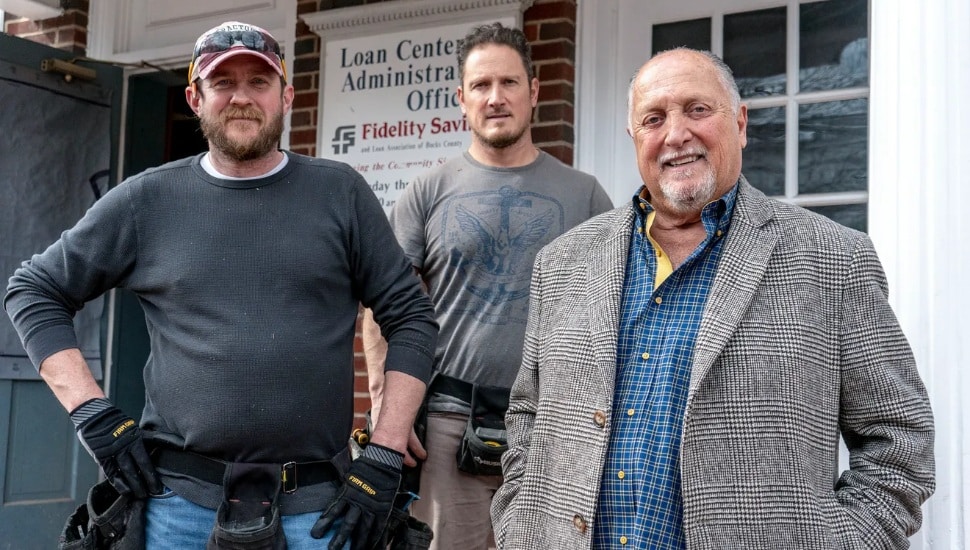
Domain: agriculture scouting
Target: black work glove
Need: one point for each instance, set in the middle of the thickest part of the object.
(365, 500)
(114, 440)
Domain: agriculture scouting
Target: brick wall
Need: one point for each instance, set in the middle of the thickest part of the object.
(306, 82)
(550, 26)
(68, 31)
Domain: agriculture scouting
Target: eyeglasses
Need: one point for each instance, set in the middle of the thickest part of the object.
(221, 41)
(224, 40)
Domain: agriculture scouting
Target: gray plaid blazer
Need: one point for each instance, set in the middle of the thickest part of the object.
(797, 345)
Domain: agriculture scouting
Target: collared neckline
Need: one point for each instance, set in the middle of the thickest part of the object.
(716, 215)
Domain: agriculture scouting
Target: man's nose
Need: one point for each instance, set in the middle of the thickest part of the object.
(495, 96)
(678, 129)
(240, 96)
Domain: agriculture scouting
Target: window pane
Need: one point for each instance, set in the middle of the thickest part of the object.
(763, 161)
(695, 33)
(834, 45)
(833, 146)
(851, 215)
(754, 48)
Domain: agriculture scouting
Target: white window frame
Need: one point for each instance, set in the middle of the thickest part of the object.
(602, 84)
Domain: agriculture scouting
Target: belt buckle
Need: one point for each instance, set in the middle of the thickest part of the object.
(288, 477)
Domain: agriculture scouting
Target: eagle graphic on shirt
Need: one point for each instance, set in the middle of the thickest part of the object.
(501, 232)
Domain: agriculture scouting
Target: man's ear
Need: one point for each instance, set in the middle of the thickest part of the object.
(743, 125)
(461, 99)
(288, 94)
(534, 91)
(193, 97)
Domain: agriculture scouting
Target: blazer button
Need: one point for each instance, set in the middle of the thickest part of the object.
(599, 417)
(579, 523)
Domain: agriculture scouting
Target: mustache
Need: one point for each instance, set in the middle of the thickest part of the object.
(247, 113)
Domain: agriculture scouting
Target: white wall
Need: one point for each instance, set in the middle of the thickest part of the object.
(918, 219)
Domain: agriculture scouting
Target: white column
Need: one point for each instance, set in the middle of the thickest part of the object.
(919, 188)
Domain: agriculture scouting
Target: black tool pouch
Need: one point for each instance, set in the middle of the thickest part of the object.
(249, 516)
(106, 521)
(485, 439)
(408, 533)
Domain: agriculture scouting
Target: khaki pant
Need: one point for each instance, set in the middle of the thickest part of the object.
(455, 504)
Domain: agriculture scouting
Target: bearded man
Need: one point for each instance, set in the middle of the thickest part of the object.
(250, 264)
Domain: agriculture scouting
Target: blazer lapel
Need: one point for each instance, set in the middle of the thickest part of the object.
(606, 267)
(742, 265)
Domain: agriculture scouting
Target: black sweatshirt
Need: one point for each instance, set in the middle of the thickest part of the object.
(250, 290)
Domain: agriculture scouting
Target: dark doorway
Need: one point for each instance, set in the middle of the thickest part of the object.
(184, 137)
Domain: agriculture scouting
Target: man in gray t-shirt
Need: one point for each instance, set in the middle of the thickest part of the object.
(472, 227)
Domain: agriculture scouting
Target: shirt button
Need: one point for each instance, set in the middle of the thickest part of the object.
(645, 355)
(630, 412)
(719, 232)
(621, 474)
(579, 523)
(599, 417)
(623, 540)
(658, 300)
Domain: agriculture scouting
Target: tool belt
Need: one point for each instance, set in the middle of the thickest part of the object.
(293, 475)
(485, 439)
(106, 521)
(249, 516)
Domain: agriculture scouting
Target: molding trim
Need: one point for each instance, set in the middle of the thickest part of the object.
(917, 195)
(34, 10)
(598, 88)
(389, 16)
(110, 29)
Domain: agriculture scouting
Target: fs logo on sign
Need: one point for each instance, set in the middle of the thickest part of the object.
(343, 138)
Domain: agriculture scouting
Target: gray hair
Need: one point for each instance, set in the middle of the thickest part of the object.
(724, 74)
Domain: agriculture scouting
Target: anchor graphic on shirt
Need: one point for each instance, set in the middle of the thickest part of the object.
(499, 247)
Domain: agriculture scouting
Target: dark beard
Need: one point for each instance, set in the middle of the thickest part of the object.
(265, 142)
(502, 142)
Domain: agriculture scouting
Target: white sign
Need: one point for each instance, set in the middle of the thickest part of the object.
(389, 105)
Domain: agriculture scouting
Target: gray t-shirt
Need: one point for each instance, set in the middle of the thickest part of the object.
(473, 232)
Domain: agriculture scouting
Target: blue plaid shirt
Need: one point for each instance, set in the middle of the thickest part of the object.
(640, 504)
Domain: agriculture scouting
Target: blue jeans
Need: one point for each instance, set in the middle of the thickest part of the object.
(173, 522)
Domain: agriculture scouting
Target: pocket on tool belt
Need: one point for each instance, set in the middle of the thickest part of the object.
(106, 521)
(485, 439)
(249, 516)
(407, 532)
